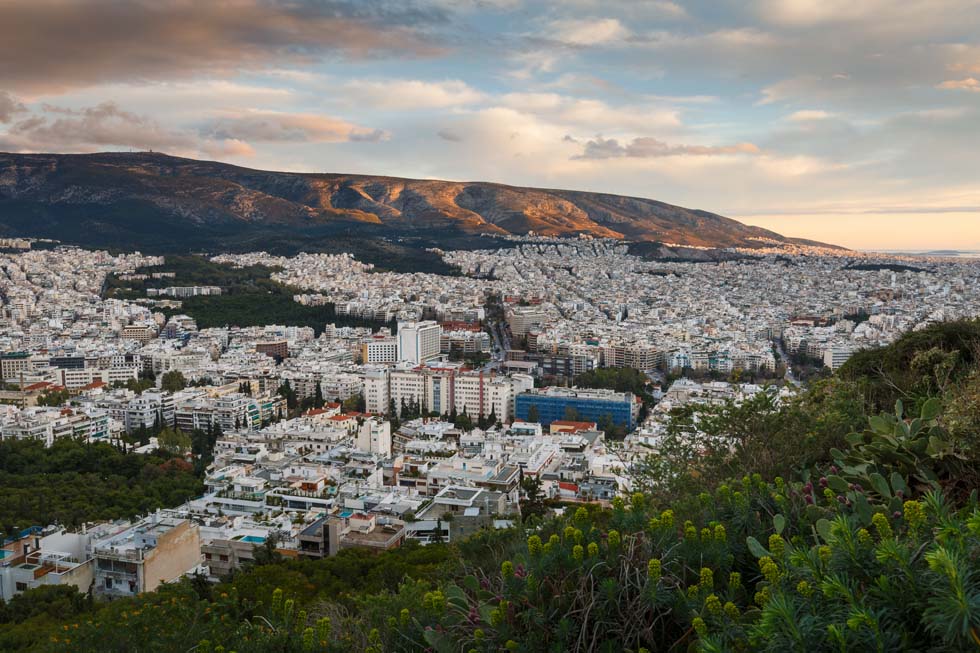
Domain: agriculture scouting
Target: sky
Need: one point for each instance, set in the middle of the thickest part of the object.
(856, 123)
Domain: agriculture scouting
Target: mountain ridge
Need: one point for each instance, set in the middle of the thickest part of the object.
(89, 196)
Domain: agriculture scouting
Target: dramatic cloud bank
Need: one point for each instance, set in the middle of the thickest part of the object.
(801, 115)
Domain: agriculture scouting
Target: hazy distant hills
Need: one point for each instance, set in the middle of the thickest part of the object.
(155, 201)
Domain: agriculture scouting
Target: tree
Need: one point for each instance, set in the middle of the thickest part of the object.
(532, 500)
(173, 381)
(354, 404)
(532, 413)
(607, 425)
(53, 398)
(174, 441)
(463, 421)
(571, 414)
(286, 391)
(318, 396)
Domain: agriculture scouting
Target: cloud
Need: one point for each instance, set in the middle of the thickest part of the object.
(276, 127)
(411, 94)
(107, 126)
(449, 135)
(809, 115)
(968, 84)
(587, 31)
(592, 114)
(9, 105)
(647, 147)
(51, 45)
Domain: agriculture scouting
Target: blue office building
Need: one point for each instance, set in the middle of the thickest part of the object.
(589, 405)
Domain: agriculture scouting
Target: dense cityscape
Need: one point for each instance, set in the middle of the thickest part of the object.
(358, 436)
(489, 326)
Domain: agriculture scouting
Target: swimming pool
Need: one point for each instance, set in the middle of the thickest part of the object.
(255, 539)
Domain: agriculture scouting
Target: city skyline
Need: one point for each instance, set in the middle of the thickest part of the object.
(853, 125)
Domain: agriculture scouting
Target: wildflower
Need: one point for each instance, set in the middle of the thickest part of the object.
(581, 516)
(769, 569)
(732, 611)
(654, 569)
(713, 604)
(613, 539)
(804, 589)
(507, 569)
(881, 525)
(534, 545)
(706, 577)
(693, 591)
(593, 549)
(637, 501)
(705, 534)
(667, 518)
(654, 523)
(569, 532)
(720, 534)
(915, 515)
(617, 503)
(777, 545)
(700, 627)
(578, 552)
(734, 580)
(762, 597)
(824, 552)
(690, 532)
(864, 537)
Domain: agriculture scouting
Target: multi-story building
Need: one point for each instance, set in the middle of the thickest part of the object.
(141, 333)
(522, 318)
(379, 349)
(555, 403)
(418, 342)
(374, 436)
(139, 559)
(277, 349)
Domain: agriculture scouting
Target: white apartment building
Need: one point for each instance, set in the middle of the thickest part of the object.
(440, 390)
(74, 379)
(837, 355)
(379, 349)
(522, 318)
(418, 342)
(374, 436)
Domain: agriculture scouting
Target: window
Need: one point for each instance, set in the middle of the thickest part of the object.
(223, 558)
(108, 583)
(20, 587)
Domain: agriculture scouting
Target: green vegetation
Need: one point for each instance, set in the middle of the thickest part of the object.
(73, 482)
(173, 381)
(53, 398)
(819, 524)
(249, 296)
(919, 365)
(620, 379)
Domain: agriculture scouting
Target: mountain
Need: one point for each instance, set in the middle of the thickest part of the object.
(155, 201)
